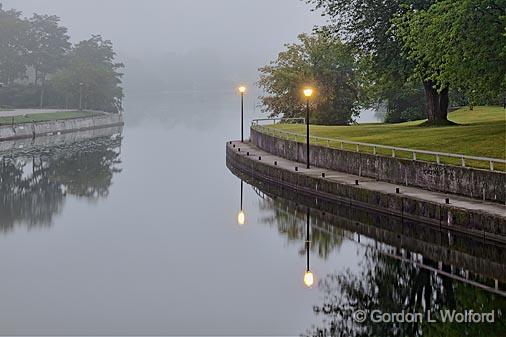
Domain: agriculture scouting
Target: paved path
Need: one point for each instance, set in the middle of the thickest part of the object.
(372, 184)
(20, 112)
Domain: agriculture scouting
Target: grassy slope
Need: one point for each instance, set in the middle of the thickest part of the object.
(44, 117)
(482, 132)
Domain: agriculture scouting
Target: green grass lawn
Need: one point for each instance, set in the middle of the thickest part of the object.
(43, 117)
(481, 132)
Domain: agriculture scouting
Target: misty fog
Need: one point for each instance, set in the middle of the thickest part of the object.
(184, 45)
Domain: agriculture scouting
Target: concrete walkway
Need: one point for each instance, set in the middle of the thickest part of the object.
(372, 184)
(21, 112)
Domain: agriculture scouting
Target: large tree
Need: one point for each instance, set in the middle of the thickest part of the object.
(320, 60)
(92, 72)
(13, 46)
(49, 45)
(368, 26)
(458, 43)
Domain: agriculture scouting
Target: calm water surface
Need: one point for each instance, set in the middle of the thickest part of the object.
(136, 233)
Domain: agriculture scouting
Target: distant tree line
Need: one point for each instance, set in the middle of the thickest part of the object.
(39, 67)
(412, 58)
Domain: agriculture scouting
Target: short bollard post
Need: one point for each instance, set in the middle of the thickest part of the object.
(447, 201)
(356, 182)
(397, 190)
(259, 157)
(296, 168)
(323, 174)
(233, 145)
(230, 142)
(275, 163)
(238, 149)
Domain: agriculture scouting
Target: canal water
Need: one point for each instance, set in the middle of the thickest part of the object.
(136, 233)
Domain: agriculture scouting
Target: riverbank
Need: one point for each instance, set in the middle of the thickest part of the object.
(473, 217)
(47, 123)
(22, 116)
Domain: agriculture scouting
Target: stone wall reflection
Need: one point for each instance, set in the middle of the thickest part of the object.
(34, 183)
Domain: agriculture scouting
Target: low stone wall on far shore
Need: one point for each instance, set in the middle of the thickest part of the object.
(32, 130)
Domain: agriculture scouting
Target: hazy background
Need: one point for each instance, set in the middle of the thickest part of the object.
(184, 45)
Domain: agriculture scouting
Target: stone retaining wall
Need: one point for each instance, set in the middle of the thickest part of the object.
(32, 130)
(469, 182)
(475, 222)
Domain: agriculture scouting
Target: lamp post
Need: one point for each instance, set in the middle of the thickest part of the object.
(1, 85)
(81, 96)
(242, 90)
(308, 92)
(308, 275)
(241, 218)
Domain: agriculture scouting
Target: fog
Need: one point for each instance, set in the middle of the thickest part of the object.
(185, 45)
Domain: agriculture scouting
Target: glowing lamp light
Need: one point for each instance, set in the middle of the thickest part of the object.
(242, 89)
(308, 92)
(241, 218)
(308, 279)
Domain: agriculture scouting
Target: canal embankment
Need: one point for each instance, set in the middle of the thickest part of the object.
(35, 129)
(470, 182)
(453, 212)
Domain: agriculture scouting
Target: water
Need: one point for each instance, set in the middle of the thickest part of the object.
(136, 234)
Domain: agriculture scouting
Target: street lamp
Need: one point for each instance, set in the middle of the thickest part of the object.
(81, 96)
(242, 90)
(308, 275)
(308, 92)
(241, 217)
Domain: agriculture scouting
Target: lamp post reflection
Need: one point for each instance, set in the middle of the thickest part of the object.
(241, 218)
(308, 275)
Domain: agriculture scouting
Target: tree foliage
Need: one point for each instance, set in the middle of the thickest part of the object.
(13, 46)
(91, 68)
(40, 67)
(458, 43)
(321, 61)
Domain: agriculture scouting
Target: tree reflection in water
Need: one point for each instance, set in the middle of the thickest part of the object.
(391, 286)
(34, 184)
(290, 220)
(382, 283)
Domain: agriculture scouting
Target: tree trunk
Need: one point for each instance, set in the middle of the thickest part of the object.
(443, 106)
(42, 88)
(437, 103)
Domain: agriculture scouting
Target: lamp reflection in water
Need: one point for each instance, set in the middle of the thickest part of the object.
(241, 218)
(308, 275)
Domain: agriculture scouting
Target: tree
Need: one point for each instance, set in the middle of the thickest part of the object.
(458, 43)
(13, 48)
(368, 26)
(322, 61)
(49, 45)
(91, 68)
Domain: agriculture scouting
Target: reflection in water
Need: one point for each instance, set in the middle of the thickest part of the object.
(308, 275)
(388, 279)
(35, 182)
(241, 217)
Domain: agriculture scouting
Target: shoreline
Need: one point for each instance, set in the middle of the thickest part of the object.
(480, 219)
(59, 126)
